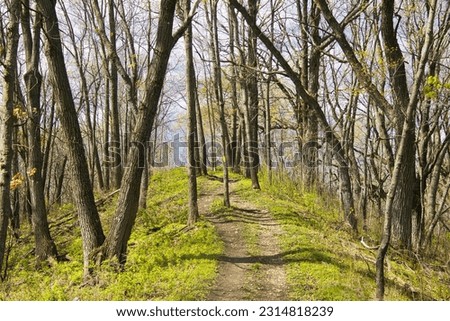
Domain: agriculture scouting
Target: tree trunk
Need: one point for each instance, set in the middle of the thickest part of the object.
(144, 180)
(251, 113)
(192, 121)
(91, 228)
(59, 181)
(202, 139)
(6, 121)
(218, 93)
(114, 82)
(122, 224)
(403, 200)
(402, 152)
(235, 125)
(45, 246)
(106, 129)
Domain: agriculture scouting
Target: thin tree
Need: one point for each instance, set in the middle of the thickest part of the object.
(44, 244)
(6, 120)
(192, 121)
(252, 108)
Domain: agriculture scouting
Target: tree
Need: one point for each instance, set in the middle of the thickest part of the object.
(252, 109)
(114, 66)
(403, 149)
(405, 194)
(218, 95)
(330, 135)
(192, 121)
(45, 246)
(91, 228)
(122, 224)
(6, 119)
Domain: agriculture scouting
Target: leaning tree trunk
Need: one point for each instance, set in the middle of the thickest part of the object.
(83, 196)
(6, 121)
(122, 224)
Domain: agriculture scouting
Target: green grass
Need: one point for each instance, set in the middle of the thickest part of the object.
(167, 262)
(164, 261)
(324, 261)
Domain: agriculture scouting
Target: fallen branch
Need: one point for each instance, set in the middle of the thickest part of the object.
(368, 246)
(69, 216)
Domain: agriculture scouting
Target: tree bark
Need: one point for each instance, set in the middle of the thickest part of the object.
(91, 228)
(122, 224)
(44, 244)
(193, 214)
(402, 152)
(6, 121)
(404, 195)
(218, 93)
(251, 112)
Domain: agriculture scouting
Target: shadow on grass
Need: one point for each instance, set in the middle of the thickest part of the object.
(242, 215)
(310, 255)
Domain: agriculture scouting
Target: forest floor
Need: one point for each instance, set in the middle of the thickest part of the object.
(278, 243)
(251, 266)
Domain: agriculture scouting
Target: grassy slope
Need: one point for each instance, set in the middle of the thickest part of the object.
(163, 263)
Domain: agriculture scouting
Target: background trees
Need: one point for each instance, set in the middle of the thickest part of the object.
(343, 98)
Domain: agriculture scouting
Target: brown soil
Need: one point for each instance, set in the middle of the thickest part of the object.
(246, 271)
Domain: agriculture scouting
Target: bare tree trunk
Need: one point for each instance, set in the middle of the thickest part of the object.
(16, 197)
(251, 113)
(202, 139)
(6, 121)
(114, 106)
(192, 121)
(48, 148)
(59, 181)
(45, 247)
(235, 126)
(330, 135)
(402, 152)
(91, 228)
(218, 92)
(122, 224)
(145, 179)
(106, 129)
(404, 195)
(309, 19)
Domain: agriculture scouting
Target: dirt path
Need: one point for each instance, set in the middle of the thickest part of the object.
(251, 267)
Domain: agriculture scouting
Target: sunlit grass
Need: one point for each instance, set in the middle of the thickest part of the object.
(164, 261)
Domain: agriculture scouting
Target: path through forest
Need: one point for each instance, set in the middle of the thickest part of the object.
(251, 267)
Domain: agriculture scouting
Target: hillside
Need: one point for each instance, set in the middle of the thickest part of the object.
(285, 244)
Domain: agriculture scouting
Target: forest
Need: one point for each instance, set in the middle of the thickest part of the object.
(225, 150)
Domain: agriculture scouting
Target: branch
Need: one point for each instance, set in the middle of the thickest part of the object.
(177, 35)
(364, 77)
(101, 32)
(368, 246)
